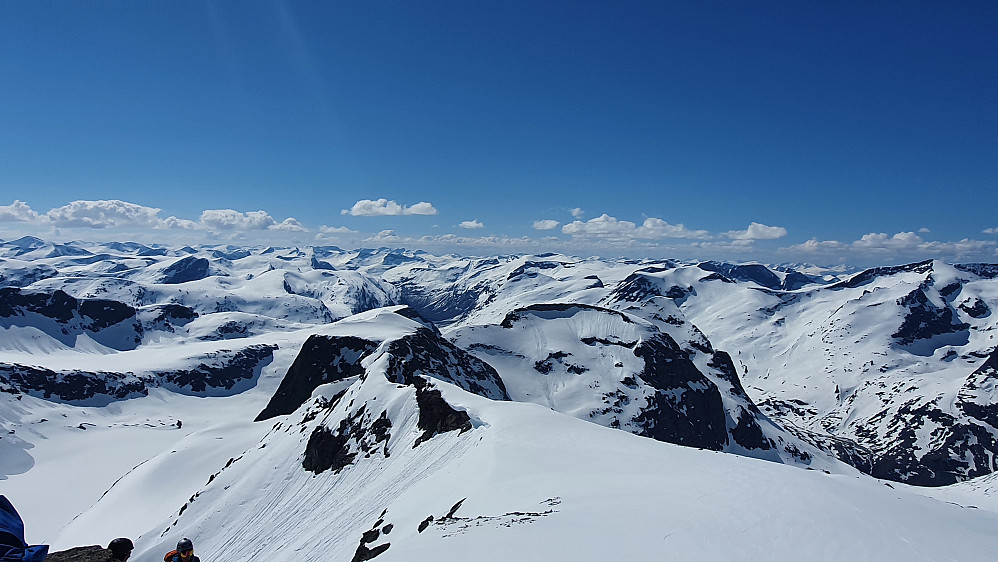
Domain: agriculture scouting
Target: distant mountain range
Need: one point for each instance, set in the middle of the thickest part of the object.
(369, 354)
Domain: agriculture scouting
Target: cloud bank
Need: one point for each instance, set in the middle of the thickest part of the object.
(605, 235)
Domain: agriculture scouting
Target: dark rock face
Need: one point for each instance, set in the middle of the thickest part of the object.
(636, 288)
(425, 353)
(322, 359)
(104, 313)
(686, 408)
(795, 280)
(58, 305)
(925, 321)
(356, 434)
(69, 386)
(755, 273)
(974, 399)
(984, 270)
(64, 317)
(218, 374)
(871, 275)
(953, 442)
(167, 317)
(185, 270)
(975, 308)
(318, 264)
(327, 450)
(435, 414)
(398, 258)
(747, 431)
(222, 370)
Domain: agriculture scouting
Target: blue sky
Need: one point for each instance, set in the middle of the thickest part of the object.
(858, 132)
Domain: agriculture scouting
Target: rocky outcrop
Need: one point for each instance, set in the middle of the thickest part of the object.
(435, 414)
(356, 434)
(426, 353)
(685, 408)
(321, 360)
(927, 326)
(93, 553)
(63, 317)
(221, 373)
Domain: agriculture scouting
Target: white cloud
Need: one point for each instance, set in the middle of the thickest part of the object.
(881, 241)
(577, 212)
(174, 222)
(228, 219)
(335, 230)
(18, 212)
(289, 224)
(990, 231)
(757, 231)
(384, 207)
(924, 230)
(335, 233)
(546, 224)
(384, 236)
(603, 226)
(658, 228)
(609, 228)
(421, 208)
(814, 246)
(473, 224)
(103, 214)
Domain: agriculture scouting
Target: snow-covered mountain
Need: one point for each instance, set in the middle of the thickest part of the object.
(324, 404)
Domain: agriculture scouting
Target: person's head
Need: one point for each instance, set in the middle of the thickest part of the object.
(121, 548)
(185, 548)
